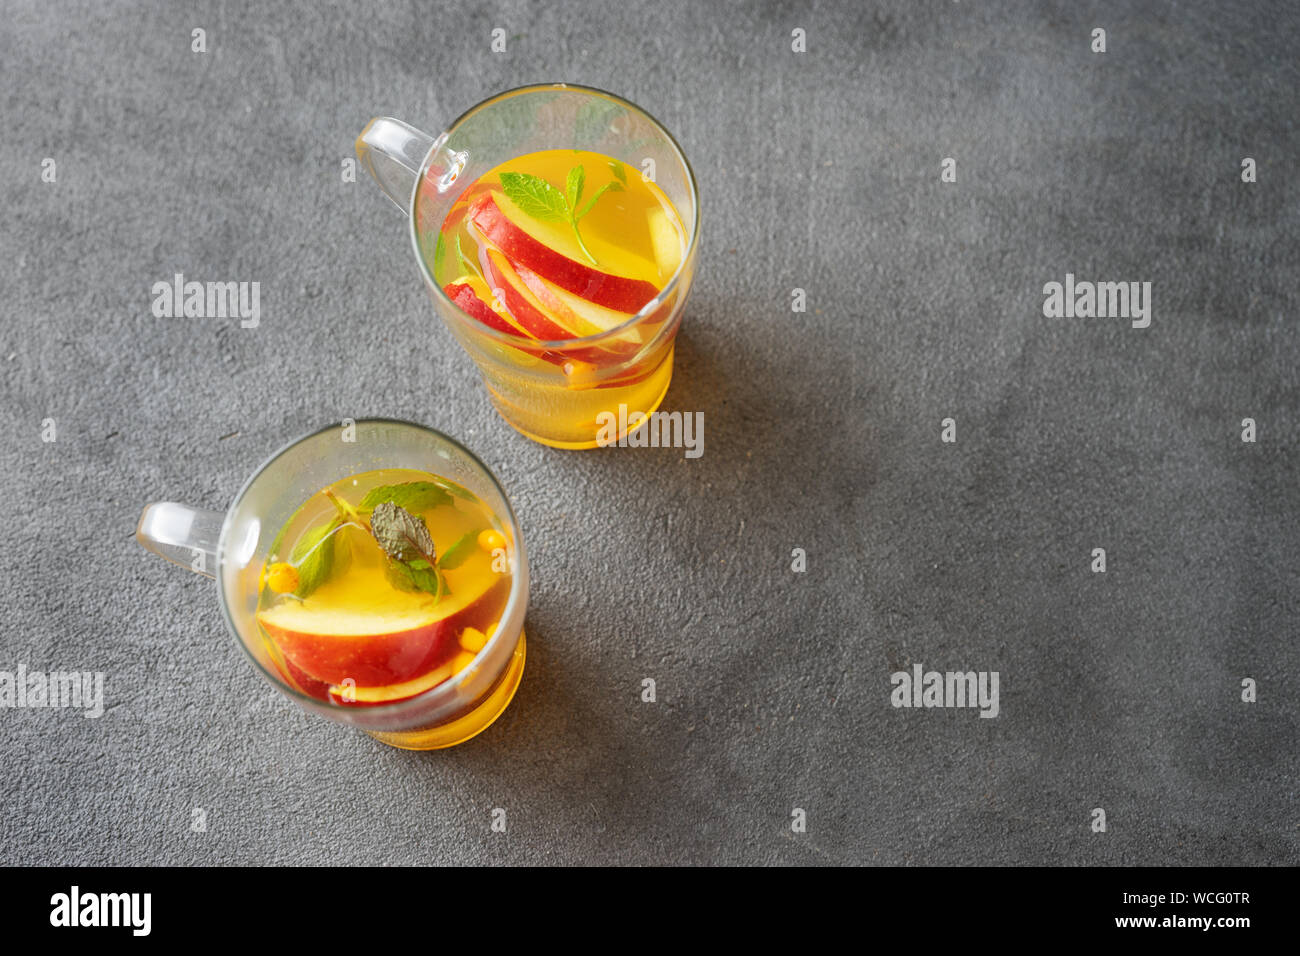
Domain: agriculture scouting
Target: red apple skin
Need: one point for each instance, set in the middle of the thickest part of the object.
(335, 698)
(465, 297)
(472, 305)
(458, 211)
(534, 320)
(613, 292)
(562, 312)
(304, 682)
(366, 659)
(382, 659)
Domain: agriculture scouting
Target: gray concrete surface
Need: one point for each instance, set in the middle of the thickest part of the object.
(821, 171)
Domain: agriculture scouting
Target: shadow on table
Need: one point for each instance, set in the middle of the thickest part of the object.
(576, 747)
(576, 751)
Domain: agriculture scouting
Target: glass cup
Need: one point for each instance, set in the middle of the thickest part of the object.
(558, 400)
(233, 547)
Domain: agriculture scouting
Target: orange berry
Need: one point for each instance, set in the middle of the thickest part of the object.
(461, 661)
(282, 577)
(490, 540)
(472, 639)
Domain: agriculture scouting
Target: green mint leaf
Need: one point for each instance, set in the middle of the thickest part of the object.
(465, 260)
(407, 577)
(455, 556)
(619, 172)
(608, 187)
(440, 252)
(412, 496)
(314, 557)
(452, 488)
(535, 197)
(399, 576)
(573, 186)
(401, 534)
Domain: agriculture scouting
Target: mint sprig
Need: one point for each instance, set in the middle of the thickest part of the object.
(537, 198)
(456, 555)
(411, 495)
(405, 538)
(573, 186)
(313, 556)
(402, 535)
(409, 577)
(609, 186)
(385, 513)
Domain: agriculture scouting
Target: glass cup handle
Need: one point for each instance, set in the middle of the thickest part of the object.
(181, 534)
(393, 152)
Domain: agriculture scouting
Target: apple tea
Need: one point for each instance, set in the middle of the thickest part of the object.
(382, 586)
(559, 245)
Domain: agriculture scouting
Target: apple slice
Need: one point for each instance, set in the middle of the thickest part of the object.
(530, 312)
(429, 195)
(519, 300)
(574, 312)
(471, 296)
(330, 638)
(603, 288)
(373, 696)
(666, 241)
(370, 696)
(463, 294)
(305, 682)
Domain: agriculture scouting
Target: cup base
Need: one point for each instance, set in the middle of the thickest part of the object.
(467, 725)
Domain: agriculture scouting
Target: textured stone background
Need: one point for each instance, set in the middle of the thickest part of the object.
(819, 171)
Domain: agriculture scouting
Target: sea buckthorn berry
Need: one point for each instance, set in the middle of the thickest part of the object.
(490, 540)
(472, 639)
(461, 661)
(282, 577)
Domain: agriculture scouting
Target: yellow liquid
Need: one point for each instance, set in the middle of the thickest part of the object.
(364, 635)
(631, 232)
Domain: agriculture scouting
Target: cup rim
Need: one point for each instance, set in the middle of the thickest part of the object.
(560, 345)
(518, 584)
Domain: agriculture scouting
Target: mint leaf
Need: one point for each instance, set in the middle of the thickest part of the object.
(608, 187)
(440, 252)
(455, 556)
(401, 534)
(314, 557)
(407, 577)
(535, 197)
(573, 185)
(412, 496)
(619, 172)
(455, 489)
